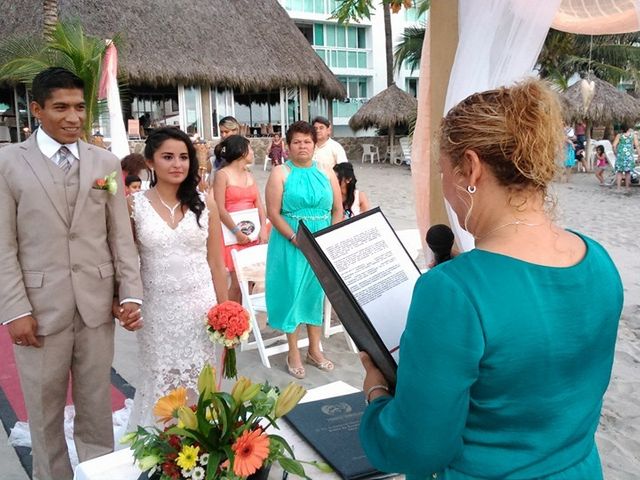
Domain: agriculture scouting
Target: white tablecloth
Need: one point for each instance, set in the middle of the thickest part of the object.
(119, 465)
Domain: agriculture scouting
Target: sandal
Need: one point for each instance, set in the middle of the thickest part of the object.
(297, 372)
(326, 364)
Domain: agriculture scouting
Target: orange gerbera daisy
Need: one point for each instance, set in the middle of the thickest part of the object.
(166, 408)
(251, 449)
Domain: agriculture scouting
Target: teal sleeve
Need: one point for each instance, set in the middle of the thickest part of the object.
(419, 430)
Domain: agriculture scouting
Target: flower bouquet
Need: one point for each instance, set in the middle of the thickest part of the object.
(223, 436)
(228, 324)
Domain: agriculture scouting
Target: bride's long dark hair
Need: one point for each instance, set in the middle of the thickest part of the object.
(188, 189)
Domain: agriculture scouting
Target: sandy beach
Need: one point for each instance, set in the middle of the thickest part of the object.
(606, 216)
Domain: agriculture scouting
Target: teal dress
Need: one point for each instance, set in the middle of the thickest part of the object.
(503, 367)
(624, 154)
(293, 293)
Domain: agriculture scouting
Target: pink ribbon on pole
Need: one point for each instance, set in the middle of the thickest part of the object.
(109, 70)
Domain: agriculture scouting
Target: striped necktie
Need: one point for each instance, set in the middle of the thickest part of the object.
(62, 160)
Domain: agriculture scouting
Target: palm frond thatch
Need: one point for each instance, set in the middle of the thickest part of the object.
(609, 105)
(388, 108)
(243, 44)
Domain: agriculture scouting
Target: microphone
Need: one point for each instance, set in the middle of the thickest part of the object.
(440, 240)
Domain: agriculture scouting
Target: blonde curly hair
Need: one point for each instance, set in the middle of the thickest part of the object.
(517, 131)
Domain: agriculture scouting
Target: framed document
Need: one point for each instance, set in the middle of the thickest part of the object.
(248, 221)
(368, 276)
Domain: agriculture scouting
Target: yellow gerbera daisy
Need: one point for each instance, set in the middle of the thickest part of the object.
(188, 457)
(166, 408)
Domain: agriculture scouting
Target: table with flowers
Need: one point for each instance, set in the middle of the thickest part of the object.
(120, 465)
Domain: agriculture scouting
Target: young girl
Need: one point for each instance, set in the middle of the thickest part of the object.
(354, 201)
(235, 189)
(601, 164)
(569, 160)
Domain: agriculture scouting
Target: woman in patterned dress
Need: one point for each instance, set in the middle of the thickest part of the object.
(623, 145)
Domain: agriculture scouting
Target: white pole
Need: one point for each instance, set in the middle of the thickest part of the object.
(17, 110)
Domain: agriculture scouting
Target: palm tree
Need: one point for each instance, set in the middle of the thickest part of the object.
(49, 17)
(354, 10)
(612, 58)
(358, 9)
(21, 59)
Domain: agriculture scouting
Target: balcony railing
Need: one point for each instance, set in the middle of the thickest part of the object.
(310, 6)
(342, 57)
(347, 108)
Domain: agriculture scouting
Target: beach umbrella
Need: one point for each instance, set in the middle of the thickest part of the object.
(598, 103)
(389, 108)
(608, 104)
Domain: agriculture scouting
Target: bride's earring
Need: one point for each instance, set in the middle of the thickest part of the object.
(471, 189)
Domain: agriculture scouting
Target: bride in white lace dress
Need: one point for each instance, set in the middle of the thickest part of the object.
(178, 234)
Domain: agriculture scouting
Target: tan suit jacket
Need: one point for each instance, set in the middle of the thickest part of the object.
(51, 265)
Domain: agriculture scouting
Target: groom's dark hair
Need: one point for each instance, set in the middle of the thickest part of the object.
(51, 79)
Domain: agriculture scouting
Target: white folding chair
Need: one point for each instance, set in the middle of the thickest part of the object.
(394, 153)
(266, 161)
(370, 150)
(5, 134)
(410, 238)
(328, 329)
(406, 150)
(250, 265)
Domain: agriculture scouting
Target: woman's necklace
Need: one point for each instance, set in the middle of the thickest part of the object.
(172, 210)
(517, 222)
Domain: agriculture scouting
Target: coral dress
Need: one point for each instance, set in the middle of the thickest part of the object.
(238, 198)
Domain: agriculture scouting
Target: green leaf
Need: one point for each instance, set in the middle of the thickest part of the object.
(21, 59)
(212, 466)
(292, 466)
(280, 440)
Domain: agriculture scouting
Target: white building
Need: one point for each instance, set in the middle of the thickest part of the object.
(355, 53)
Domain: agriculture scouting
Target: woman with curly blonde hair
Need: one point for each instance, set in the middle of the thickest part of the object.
(506, 353)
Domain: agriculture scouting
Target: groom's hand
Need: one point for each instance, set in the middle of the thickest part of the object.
(23, 332)
(130, 316)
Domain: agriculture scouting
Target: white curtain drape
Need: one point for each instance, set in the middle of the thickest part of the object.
(499, 42)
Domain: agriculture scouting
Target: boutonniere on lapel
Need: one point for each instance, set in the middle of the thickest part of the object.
(107, 183)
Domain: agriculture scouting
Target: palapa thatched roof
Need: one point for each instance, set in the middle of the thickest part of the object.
(248, 45)
(390, 107)
(608, 105)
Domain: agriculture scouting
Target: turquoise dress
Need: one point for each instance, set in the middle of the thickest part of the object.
(503, 367)
(624, 154)
(293, 293)
(570, 155)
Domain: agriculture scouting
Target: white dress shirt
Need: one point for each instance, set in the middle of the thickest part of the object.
(49, 147)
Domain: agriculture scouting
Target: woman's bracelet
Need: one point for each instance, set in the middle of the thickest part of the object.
(235, 229)
(292, 237)
(373, 389)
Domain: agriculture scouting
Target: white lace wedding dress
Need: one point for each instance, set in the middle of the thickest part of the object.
(178, 292)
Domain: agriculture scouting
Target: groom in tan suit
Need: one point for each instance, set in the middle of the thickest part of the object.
(66, 257)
